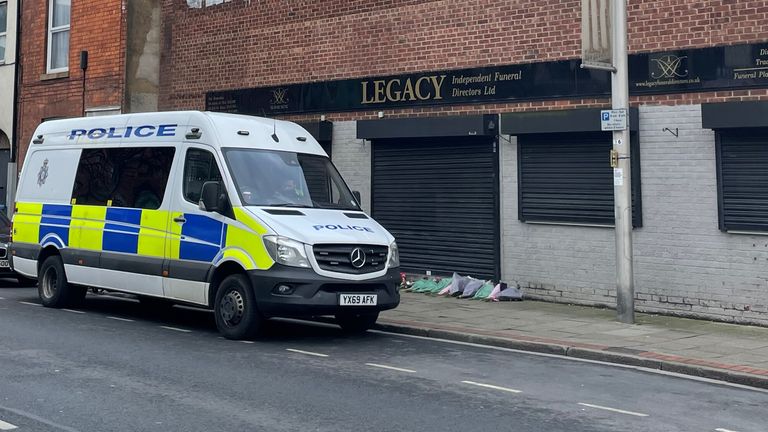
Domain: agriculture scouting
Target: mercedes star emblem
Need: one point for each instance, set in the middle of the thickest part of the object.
(357, 258)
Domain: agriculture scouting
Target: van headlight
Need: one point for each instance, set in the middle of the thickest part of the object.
(286, 251)
(394, 256)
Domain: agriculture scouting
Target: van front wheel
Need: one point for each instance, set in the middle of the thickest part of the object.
(53, 288)
(235, 309)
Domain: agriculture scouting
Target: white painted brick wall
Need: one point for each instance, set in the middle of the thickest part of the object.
(682, 260)
(352, 157)
(552, 262)
(683, 264)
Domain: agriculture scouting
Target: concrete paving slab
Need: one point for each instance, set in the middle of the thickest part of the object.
(742, 359)
(638, 331)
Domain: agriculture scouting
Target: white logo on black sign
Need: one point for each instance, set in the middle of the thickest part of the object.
(670, 66)
(279, 96)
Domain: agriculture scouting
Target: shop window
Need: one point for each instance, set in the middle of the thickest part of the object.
(742, 156)
(3, 29)
(199, 167)
(58, 35)
(567, 178)
(123, 177)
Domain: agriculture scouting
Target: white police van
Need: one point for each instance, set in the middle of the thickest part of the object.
(243, 215)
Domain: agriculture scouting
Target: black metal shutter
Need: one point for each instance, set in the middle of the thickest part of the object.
(438, 197)
(743, 169)
(326, 145)
(568, 178)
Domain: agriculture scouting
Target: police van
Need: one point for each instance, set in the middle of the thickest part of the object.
(243, 215)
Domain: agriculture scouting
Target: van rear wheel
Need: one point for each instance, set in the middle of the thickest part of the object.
(53, 288)
(235, 309)
(357, 322)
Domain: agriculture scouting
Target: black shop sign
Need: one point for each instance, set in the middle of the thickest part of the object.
(689, 70)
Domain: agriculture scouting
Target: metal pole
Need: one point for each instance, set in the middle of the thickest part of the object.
(622, 189)
(12, 174)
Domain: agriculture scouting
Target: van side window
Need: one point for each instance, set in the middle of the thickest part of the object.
(123, 177)
(199, 167)
(95, 178)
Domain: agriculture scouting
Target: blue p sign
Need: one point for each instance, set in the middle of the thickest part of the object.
(606, 116)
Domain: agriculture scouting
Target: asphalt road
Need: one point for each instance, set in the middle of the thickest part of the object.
(113, 366)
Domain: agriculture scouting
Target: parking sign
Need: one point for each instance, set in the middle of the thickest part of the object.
(613, 120)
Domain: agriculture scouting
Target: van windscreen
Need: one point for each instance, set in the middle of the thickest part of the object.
(285, 179)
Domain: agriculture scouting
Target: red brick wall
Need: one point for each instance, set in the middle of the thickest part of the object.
(260, 43)
(97, 26)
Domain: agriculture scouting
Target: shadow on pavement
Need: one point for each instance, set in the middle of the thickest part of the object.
(202, 320)
(195, 319)
(10, 282)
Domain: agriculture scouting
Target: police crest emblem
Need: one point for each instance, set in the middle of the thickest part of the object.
(42, 175)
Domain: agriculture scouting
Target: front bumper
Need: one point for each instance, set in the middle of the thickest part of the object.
(318, 295)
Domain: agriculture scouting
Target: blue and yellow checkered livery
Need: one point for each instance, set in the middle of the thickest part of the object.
(145, 233)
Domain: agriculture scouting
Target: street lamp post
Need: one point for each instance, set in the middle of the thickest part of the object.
(604, 47)
(622, 176)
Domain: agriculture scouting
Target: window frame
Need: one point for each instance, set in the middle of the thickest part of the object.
(184, 171)
(109, 157)
(50, 32)
(724, 225)
(4, 34)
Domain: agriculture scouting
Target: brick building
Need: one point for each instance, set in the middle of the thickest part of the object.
(476, 114)
(8, 19)
(120, 37)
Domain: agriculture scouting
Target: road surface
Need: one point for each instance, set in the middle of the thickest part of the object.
(111, 365)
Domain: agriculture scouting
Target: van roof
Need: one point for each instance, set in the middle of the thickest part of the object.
(216, 129)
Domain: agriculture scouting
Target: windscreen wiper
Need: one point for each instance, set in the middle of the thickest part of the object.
(288, 205)
(340, 207)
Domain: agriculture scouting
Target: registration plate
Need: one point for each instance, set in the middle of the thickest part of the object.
(357, 299)
(4, 264)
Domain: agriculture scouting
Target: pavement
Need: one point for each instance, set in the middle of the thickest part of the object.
(729, 352)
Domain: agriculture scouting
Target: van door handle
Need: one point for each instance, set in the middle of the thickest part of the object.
(179, 219)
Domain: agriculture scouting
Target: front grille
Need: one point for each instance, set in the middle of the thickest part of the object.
(3, 252)
(338, 258)
(353, 288)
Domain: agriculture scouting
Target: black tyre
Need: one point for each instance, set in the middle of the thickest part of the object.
(53, 288)
(235, 309)
(356, 322)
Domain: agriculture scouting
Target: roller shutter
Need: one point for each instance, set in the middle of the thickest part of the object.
(743, 179)
(567, 178)
(439, 198)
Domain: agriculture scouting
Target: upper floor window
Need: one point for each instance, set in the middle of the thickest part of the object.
(58, 35)
(3, 29)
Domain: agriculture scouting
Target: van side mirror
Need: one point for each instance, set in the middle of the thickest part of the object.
(356, 194)
(211, 197)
